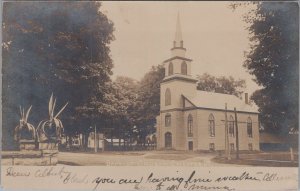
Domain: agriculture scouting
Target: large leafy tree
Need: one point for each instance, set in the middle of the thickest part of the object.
(225, 85)
(147, 105)
(59, 47)
(125, 91)
(274, 61)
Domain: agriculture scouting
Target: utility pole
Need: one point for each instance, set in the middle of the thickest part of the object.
(227, 151)
(103, 143)
(237, 134)
(95, 140)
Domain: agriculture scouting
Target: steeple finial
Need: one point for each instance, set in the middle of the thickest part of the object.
(178, 42)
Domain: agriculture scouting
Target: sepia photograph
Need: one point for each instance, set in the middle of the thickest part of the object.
(90, 85)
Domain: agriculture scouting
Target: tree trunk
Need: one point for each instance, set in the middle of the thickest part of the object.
(124, 144)
(111, 139)
(70, 141)
(85, 136)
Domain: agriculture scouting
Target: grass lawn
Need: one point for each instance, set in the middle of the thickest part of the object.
(276, 159)
(169, 157)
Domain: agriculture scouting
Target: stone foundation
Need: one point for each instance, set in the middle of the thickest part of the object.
(30, 158)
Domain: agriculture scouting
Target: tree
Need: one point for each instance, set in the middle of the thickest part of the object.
(59, 47)
(226, 85)
(147, 106)
(274, 61)
(126, 96)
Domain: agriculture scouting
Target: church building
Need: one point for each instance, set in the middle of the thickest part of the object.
(195, 120)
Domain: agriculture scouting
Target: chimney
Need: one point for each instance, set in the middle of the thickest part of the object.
(246, 98)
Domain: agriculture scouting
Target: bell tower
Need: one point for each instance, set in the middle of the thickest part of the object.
(178, 79)
(178, 82)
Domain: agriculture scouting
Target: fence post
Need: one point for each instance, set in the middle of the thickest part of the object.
(292, 154)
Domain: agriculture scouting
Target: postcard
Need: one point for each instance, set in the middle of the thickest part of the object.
(156, 95)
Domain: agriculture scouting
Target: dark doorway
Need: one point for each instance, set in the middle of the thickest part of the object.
(168, 140)
(190, 145)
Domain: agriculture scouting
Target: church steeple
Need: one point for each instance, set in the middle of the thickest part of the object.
(178, 42)
(178, 49)
(178, 80)
(178, 66)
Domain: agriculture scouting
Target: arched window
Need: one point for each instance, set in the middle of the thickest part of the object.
(168, 140)
(231, 126)
(211, 125)
(168, 120)
(183, 68)
(232, 146)
(249, 127)
(190, 125)
(168, 97)
(170, 68)
(212, 146)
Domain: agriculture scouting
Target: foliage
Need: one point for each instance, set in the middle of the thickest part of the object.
(125, 91)
(147, 106)
(274, 61)
(226, 85)
(24, 130)
(59, 47)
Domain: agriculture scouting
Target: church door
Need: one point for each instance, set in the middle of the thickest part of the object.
(190, 145)
(168, 140)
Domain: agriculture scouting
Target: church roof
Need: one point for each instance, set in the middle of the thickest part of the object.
(177, 57)
(211, 100)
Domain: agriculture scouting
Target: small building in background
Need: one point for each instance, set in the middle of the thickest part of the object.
(273, 142)
(114, 142)
(99, 140)
(151, 139)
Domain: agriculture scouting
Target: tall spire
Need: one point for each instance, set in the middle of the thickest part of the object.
(178, 42)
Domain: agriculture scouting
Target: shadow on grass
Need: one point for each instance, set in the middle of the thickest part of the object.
(68, 163)
(129, 153)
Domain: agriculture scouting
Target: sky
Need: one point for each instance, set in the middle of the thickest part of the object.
(214, 35)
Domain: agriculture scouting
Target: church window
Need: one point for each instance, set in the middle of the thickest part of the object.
(190, 126)
(231, 126)
(212, 146)
(170, 68)
(250, 146)
(168, 97)
(249, 127)
(183, 68)
(232, 146)
(168, 120)
(168, 140)
(211, 125)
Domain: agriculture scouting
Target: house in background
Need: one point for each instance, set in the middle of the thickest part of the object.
(273, 142)
(99, 143)
(194, 120)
